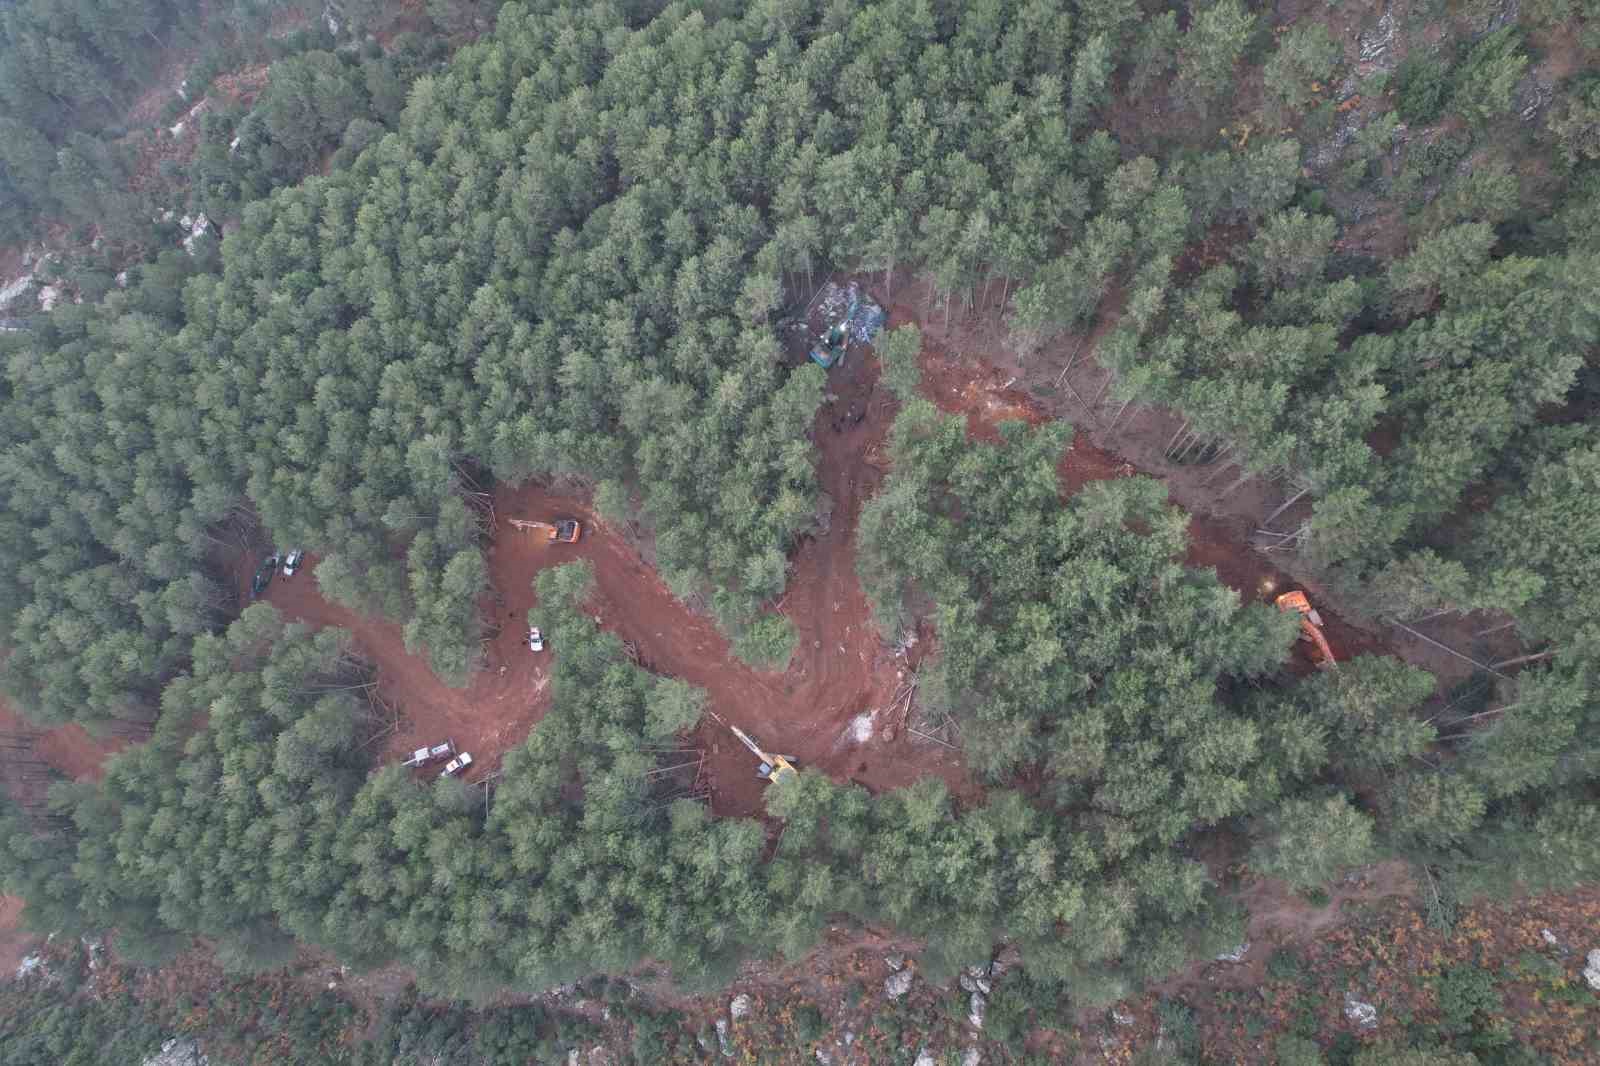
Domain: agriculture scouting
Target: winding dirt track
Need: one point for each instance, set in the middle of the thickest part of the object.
(821, 708)
(974, 388)
(840, 671)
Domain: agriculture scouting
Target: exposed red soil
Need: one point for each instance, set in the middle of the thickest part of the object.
(15, 942)
(987, 397)
(67, 749)
(488, 717)
(840, 670)
(74, 752)
(1214, 543)
(969, 362)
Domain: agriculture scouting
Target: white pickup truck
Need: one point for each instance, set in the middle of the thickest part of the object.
(456, 765)
(423, 756)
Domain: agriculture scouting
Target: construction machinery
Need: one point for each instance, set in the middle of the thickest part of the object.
(423, 756)
(772, 767)
(830, 349)
(563, 530)
(1310, 625)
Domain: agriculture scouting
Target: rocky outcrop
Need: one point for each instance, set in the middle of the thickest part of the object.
(1362, 1015)
(898, 984)
(179, 1051)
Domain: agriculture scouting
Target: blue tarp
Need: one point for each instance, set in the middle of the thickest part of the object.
(834, 302)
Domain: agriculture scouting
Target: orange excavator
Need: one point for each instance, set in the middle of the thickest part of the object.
(564, 530)
(1310, 625)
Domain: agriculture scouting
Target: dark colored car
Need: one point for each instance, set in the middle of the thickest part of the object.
(263, 578)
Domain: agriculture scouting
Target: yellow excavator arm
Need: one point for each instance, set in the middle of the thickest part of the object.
(773, 767)
(566, 530)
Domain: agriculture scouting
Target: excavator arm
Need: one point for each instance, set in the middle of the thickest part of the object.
(775, 767)
(1310, 625)
(1312, 632)
(565, 530)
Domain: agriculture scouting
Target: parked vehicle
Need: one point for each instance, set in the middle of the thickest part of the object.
(291, 563)
(263, 578)
(535, 639)
(457, 765)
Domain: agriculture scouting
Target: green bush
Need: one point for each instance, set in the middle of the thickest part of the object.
(1485, 80)
(767, 643)
(1423, 81)
(1468, 997)
(1295, 1050)
(1178, 1022)
(1285, 964)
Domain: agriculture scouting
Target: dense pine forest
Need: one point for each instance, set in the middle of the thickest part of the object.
(471, 247)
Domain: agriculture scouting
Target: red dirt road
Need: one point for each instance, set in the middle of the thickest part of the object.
(821, 708)
(840, 670)
(979, 391)
(814, 710)
(486, 718)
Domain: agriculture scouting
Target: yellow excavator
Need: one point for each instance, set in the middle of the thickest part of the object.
(1310, 626)
(563, 531)
(773, 767)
